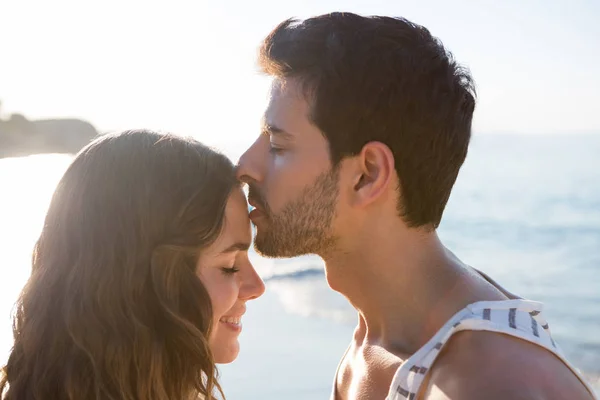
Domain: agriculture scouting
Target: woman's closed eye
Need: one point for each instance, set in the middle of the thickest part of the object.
(230, 270)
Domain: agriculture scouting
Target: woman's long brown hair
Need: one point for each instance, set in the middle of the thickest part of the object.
(113, 308)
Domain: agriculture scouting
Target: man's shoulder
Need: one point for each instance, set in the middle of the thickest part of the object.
(489, 365)
(366, 372)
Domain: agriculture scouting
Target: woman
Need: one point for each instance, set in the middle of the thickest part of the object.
(139, 278)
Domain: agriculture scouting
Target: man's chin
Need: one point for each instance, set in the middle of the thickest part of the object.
(263, 250)
(266, 248)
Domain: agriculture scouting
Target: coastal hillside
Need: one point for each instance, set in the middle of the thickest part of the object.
(20, 136)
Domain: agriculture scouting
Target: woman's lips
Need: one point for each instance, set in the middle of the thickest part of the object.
(234, 323)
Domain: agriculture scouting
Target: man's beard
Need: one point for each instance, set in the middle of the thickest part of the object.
(303, 226)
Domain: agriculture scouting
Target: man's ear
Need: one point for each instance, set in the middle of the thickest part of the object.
(374, 173)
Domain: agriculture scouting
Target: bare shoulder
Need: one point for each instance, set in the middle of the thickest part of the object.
(366, 373)
(476, 365)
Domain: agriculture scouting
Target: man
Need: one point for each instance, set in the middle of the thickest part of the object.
(367, 127)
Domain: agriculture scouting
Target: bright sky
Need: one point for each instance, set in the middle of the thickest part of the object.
(189, 66)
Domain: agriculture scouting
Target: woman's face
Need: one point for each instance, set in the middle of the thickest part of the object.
(229, 278)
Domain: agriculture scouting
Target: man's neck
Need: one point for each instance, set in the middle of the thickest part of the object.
(405, 285)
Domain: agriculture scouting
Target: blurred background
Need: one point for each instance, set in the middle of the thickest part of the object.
(526, 207)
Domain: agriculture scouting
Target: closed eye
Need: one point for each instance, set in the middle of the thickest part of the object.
(275, 150)
(230, 270)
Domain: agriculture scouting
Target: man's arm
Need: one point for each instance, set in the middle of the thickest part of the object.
(496, 389)
(500, 367)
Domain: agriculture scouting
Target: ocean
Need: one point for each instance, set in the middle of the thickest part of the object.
(525, 210)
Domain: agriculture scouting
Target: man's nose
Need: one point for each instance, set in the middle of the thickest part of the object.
(250, 164)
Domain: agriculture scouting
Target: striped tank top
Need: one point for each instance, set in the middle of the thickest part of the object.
(515, 317)
(519, 318)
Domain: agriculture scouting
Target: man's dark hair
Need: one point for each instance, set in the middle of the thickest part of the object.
(382, 79)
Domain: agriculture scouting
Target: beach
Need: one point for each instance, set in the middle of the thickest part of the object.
(525, 210)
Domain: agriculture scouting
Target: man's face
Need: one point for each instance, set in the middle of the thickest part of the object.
(290, 178)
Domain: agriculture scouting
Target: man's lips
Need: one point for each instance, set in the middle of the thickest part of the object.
(254, 203)
(255, 213)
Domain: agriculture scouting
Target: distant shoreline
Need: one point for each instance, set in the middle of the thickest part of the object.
(20, 137)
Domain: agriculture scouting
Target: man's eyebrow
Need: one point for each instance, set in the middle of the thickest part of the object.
(270, 129)
(239, 246)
